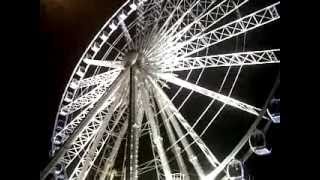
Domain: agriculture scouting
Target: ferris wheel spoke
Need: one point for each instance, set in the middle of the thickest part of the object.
(184, 10)
(72, 125)
(102, 78)
(102, 134)
(109, 143)
(149, 16)
(156, 137)
(173, 8)
(204, 21)
(172, 139)
(89, 98)
(232, 29)
(113, 145)
(105, 63)
(174, 112)
(85, 137)
(190, 153)
(232, 59)
(111, 159)
(177, 23)
(124, 28)
(207, 19)
(100, 106)
(222, 98)
(180, 21)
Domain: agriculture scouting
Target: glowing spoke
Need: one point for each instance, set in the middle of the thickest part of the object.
(103, 78)
(106, 63)
(161, 95)
(156, 137)
(233, 59)
(96, 146)
(232, 29)
(82, 101)
(222, 98)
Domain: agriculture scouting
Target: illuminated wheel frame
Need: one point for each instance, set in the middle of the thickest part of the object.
(118, 93)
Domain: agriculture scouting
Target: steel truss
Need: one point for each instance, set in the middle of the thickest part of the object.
(119, 94)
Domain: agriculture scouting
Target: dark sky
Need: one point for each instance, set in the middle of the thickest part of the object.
(67, 27)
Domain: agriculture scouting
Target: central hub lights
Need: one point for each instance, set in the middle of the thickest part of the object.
(135, 58)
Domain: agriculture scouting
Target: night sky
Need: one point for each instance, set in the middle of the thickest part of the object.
(67, 27)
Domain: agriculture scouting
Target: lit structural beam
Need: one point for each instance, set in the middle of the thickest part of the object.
(213, 174)
(105, 63)
(242, 25)
(190, 153)
(83, 139)
(222, 98)
(124, 28)
(162, 36)
(232, 59)
(102, 135)
(176, 149)
(209, 18)
(172, 9)
(232, 29)
(136, 137)
(87, 99)
(69, 128)
(150, 29)
(91, 153)
(106, 77)
(100, 105)
(134, 124)
(179, 21)
(111, 159)
(133, 7)
(174, 112)
(103, 80)
(147, 166)
(139, 23)
(80, 142)
(156, 136)
(145, 15)
(156, 159)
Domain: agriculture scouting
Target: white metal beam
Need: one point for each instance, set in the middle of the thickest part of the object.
(161, 95)
(222, 98)
(92, 153)
(103, 78)
(105, 63)
(200, 24)
(227, 31)
(100, 105)
(190, 153)
(176, 149)
(232, 59)
(157, 139)
(84, 138)
(112, 157)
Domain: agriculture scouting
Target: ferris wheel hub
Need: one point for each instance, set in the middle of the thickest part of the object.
(135, 58)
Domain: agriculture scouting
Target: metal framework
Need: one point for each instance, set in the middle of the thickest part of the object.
(116, 95)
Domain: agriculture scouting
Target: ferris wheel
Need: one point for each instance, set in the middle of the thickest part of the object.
(144, 87)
